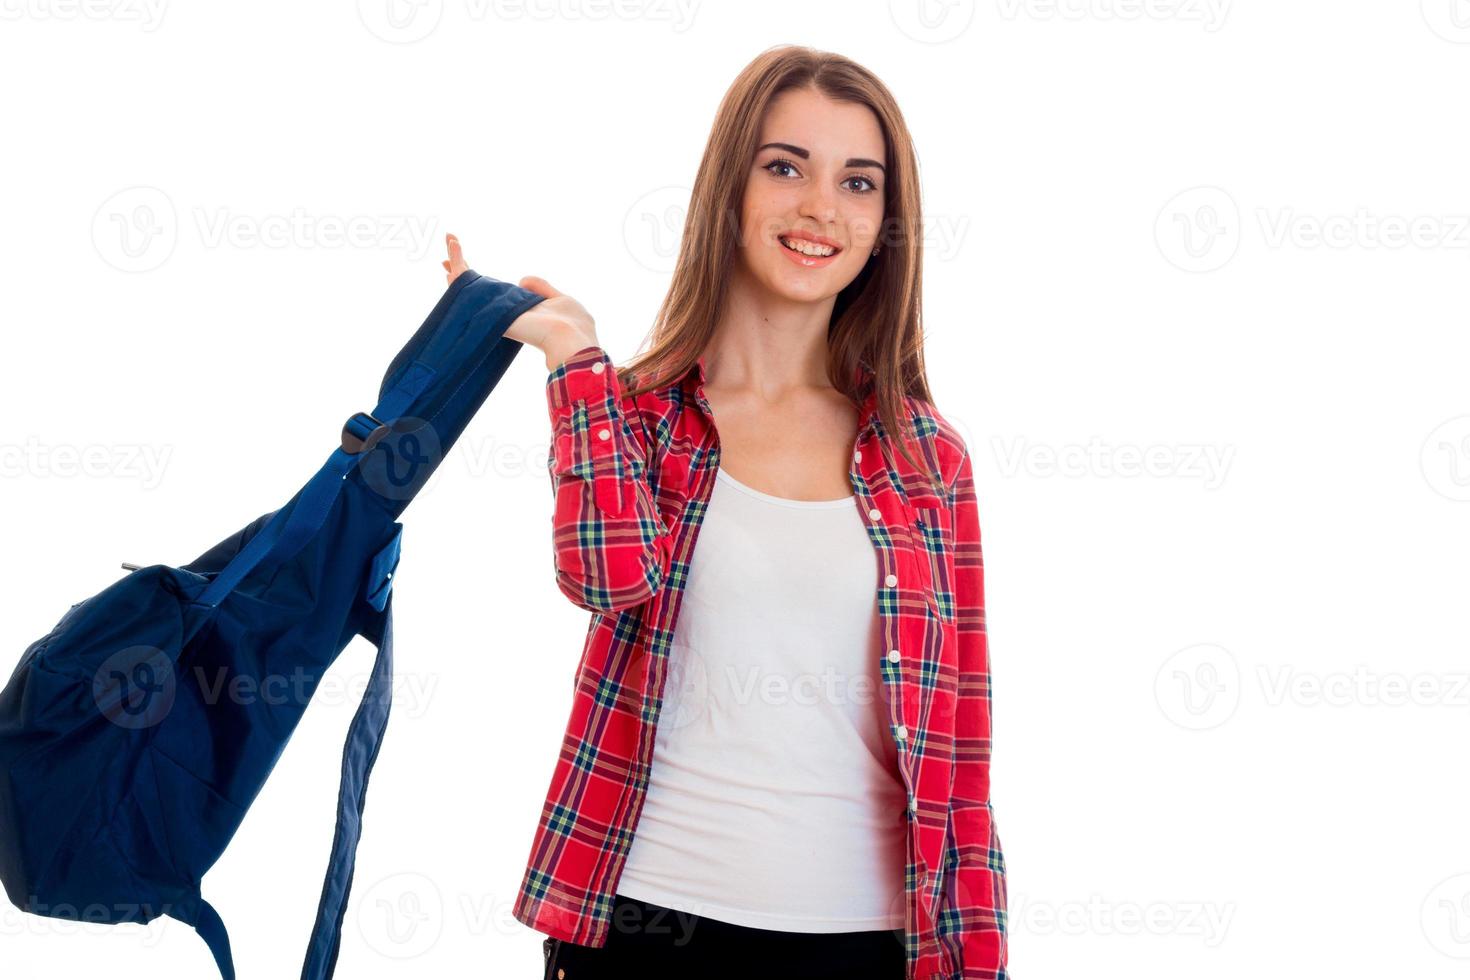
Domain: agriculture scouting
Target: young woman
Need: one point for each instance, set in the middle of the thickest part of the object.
(778, 753)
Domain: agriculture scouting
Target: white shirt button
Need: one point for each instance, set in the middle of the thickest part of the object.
(604, 434)
(893, 656)
(875, 514)
(913, 805)
(902, 733)
(597, 367)
(857, 457)
(891, 581)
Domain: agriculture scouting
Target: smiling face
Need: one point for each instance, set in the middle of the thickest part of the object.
(813, 204)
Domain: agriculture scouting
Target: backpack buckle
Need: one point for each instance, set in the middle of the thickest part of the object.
(362, 431)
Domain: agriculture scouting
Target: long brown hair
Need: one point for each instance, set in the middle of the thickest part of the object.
(875, 319)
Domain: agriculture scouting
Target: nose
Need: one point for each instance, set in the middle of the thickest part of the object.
(819, 204)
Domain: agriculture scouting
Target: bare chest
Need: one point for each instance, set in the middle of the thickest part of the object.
(801, 452)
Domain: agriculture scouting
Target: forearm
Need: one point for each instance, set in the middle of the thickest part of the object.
(976, 892)
(610, 547)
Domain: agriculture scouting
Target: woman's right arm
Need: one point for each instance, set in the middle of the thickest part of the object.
(610, 547)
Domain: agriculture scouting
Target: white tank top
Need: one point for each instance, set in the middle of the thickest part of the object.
(774, 797)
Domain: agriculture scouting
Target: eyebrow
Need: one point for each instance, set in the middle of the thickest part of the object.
(805, 155)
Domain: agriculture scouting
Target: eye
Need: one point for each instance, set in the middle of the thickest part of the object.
(779, 162)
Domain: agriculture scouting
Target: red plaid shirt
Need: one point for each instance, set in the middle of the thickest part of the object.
(632, 478)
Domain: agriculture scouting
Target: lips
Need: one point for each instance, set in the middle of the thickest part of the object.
(814, 246)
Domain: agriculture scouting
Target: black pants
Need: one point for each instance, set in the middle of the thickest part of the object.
(651, 942)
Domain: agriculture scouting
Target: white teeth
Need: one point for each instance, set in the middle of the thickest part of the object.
(806, 247)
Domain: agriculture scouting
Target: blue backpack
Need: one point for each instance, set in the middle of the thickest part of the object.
(126, 766)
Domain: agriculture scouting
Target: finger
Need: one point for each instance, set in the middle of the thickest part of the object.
(456, 254)
(538, 285)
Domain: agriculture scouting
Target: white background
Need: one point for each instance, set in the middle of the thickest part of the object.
(1230, 240)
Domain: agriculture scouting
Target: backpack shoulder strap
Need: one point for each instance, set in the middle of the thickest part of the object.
(364, 738)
